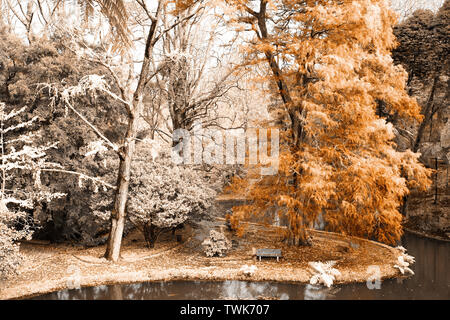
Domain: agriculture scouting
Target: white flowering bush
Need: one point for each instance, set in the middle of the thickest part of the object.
(216, 245)
(164, 195)
(324, 273)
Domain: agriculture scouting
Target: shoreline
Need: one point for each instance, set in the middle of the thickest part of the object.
(172, 278)
(57, 265)
(425, 234)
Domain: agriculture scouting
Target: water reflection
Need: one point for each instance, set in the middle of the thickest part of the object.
(316, 292)
(431, 281)
(251, 290)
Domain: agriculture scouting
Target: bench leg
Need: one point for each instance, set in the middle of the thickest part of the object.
(260, 259)
(277, 259)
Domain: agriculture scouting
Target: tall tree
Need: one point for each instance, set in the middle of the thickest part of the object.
(134, 108)
(131, 96)
(331, 64)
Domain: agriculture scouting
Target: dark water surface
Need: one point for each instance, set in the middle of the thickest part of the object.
(431, 281)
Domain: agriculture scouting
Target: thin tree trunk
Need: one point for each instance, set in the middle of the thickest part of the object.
(118, 214)
(2, 142)
(283, 89)
(428, 115)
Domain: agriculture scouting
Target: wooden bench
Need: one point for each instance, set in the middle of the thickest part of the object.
(268, 253)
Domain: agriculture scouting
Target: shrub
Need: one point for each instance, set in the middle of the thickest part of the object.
(10, 257)
(217, 244)
(164, 195)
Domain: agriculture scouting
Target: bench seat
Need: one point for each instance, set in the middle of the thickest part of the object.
(268, 253)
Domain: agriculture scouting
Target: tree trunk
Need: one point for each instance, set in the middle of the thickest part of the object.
(146, 232)
(428, 115)
(300, 239)
(118, 214)
(151, 234)
(296, 125)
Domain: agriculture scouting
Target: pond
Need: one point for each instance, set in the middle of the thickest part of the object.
(431, 281)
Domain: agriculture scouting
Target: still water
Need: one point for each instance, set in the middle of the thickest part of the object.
(431, 281)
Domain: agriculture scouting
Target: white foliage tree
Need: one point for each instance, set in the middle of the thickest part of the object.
(19, 157)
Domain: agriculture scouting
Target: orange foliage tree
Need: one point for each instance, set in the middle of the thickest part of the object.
(331, 64)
